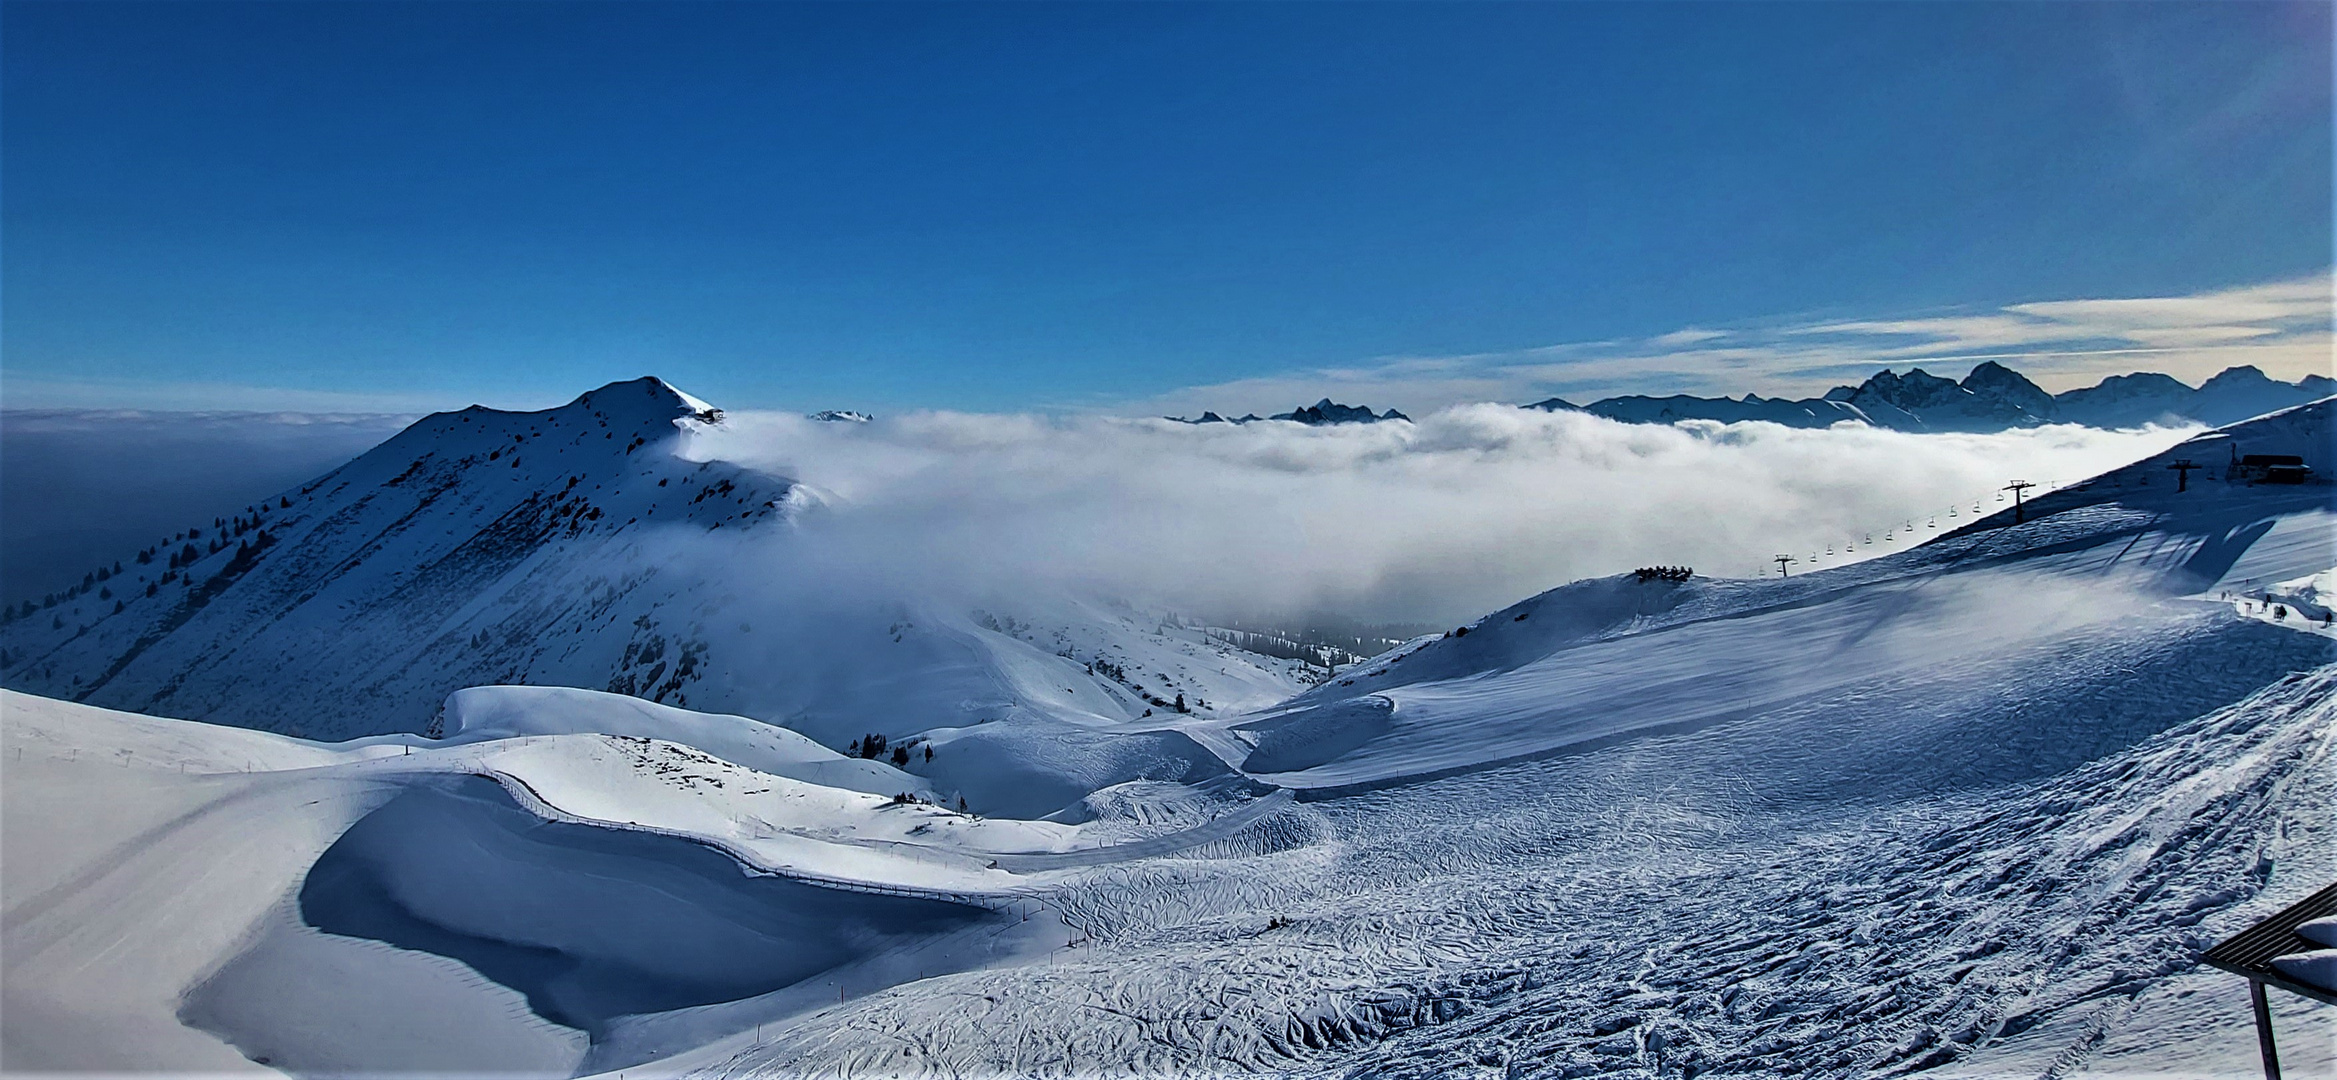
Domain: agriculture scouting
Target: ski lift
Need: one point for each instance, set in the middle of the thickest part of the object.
(1951, 511)
(1829, 549)
(1999, 496)
(1934, 522)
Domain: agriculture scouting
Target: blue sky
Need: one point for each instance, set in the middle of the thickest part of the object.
(349, 206)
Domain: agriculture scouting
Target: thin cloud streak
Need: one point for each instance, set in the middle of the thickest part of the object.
(25, 393)
(2282, 327)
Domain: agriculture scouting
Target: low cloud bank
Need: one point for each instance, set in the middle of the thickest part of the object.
(77, 486)
(1467, 510)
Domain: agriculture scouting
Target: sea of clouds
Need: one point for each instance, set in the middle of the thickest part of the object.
(1466, 510)
(82, 485)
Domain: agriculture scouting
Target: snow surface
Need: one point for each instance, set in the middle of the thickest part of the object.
(2315, 968)
(486, 713)
(1968, 810)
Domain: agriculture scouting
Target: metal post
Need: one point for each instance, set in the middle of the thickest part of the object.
(2264, 1031)
(2017, 487)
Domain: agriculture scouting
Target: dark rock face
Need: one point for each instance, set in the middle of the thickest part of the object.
(1318, 414)
(1327, 411)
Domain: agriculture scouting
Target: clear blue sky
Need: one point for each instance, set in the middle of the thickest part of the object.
(989, 207)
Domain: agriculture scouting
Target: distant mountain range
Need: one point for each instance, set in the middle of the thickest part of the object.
(1992, 398)
(1319, 414)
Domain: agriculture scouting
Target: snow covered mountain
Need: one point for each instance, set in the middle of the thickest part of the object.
(581, 546)
(1991, 397)
(2231, 396)
(1971, 810)
(474, 547)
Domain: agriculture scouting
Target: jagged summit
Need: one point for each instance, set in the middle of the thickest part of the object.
(1319, 414)
(1327, 411)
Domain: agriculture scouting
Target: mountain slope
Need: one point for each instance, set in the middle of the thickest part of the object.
(581, 546)
(474, 547)
(1972, 807)
(1604, 659)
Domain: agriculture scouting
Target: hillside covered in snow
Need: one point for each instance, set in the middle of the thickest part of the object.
(1967, 809)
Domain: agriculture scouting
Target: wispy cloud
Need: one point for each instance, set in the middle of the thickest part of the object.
(2282, 327)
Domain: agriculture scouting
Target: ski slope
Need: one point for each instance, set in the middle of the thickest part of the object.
(2092, 564)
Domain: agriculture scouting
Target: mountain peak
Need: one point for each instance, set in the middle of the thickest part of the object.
(2247, 375)
(647, 397)
(1327, 411)
(478, 539)
(2008, 392)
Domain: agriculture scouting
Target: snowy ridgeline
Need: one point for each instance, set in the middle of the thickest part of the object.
(1971, 809)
